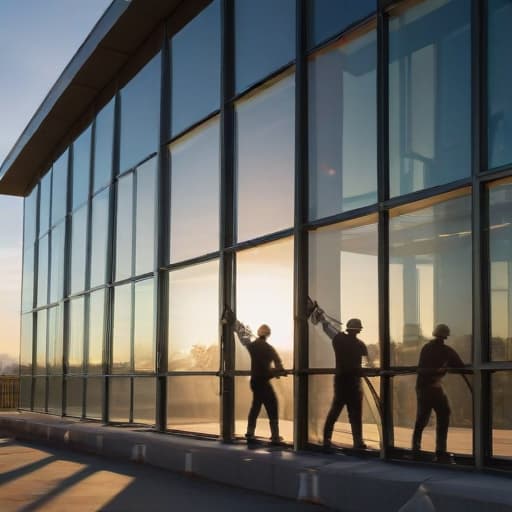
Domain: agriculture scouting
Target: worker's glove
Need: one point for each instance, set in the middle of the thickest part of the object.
(317, 316)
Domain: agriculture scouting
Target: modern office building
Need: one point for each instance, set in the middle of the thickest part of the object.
(196, 154)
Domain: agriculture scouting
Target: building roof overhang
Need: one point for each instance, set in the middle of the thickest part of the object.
(121, 30)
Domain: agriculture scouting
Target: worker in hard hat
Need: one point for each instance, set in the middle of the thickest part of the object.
(435, 358)
(265, 364)
(349, 352)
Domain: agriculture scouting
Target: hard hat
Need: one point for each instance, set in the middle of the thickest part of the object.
(441, 331)
(354, 323)
(263, 330)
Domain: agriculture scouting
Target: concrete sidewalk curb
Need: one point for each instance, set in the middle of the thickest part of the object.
(341, 482)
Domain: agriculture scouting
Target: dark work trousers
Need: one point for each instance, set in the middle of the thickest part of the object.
(347, 391)
(262, 394)
(432, 397)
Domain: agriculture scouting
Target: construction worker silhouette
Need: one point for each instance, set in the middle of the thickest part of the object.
(349, 351)
(435, 358)
(263, 355)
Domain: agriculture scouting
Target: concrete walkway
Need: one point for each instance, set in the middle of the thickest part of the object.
(341, 482)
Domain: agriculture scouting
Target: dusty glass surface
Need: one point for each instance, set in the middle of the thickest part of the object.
(122, 330)
(94, 398)
(40, 368)
(45, 190)
(144, 400)
(103, 146)
(42, 271)
(76, 335)
(501, 387)
(96, 331)
(55, 339)
(124, 228)
(120, 398)
(99, 238)
(59, 187)
(27, 292)
(26, 345)
(78, 249)
(74, 396)
(81, 167)
(143, 331)
(57, 239)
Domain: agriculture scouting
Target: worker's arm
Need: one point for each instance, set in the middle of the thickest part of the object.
(278, 365)
(243, 333)
(329, 328)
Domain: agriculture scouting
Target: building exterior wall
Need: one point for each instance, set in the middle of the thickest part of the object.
(271, 151)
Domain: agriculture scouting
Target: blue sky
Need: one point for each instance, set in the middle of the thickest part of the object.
(37, 40)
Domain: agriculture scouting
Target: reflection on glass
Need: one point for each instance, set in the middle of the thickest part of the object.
(94, 398)
(55, 395)
(40, 394)
(500, 255)
(499, 106)
(320, 396)
(501, 383)
(27, 294)
(195, 69)
(57, 262)
(45, 188)
(29, 218)
(26, 345)
(124, 227)
(143, 331)
(81, 167)
(195, 167)
(194, 295)
(103, 146)
(120, 398)
(59, 187)
(193, 404)
(429, 95)
(264, 294)
(343, 126)
(25, 392)
(74, 396)
(460, 432)
(283, 388)
(140, 115)
(121, 338)
(259, 52)
(42, 272)
(41, 342)
(76, 336)
(343, 279)
(55, 339)
(96, 321)
(144, 400)
(429, 274)
(265, 132)
(145, 225)
(99, 238)
(326, 18)
(78, 249)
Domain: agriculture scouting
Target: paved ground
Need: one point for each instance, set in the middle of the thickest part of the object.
(36, 478)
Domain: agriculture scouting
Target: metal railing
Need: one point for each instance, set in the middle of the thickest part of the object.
(9, 391)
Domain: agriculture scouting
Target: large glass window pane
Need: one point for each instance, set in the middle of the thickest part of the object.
(259, 52)
(144, 400)
(264, 295)
(45, 188)
(76, 335)
(40, 394)
(265, 131)
(74, 396)
(26, 345)
(343, 126)
(59, 187)
(145, 226)
(192, 290)
(78, 249)
(283, 388)
(57, 262)
(430, 277)
(99, 238)
(321, 389)
(193, 404)
(501, 383)
(29, 218)
(329, 17)
(499, 107)
(122, 335)
(81, 167)
(40, 368)
(55, 339)
(195, 69)
(27, 294)
(96, 331)
(42, 272)
(500, 255)
(55, 395)
(124, 227)
(343, 279)
(103, 146)
(140, 115)
(195, 168)
(94, 398)
(120, 399)
(25, 392)
(460, 431)
(429, 95)
(143, 330)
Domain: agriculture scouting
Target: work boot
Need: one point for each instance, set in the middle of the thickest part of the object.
(444, 458)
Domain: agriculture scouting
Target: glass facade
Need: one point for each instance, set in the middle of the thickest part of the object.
(346, 173)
